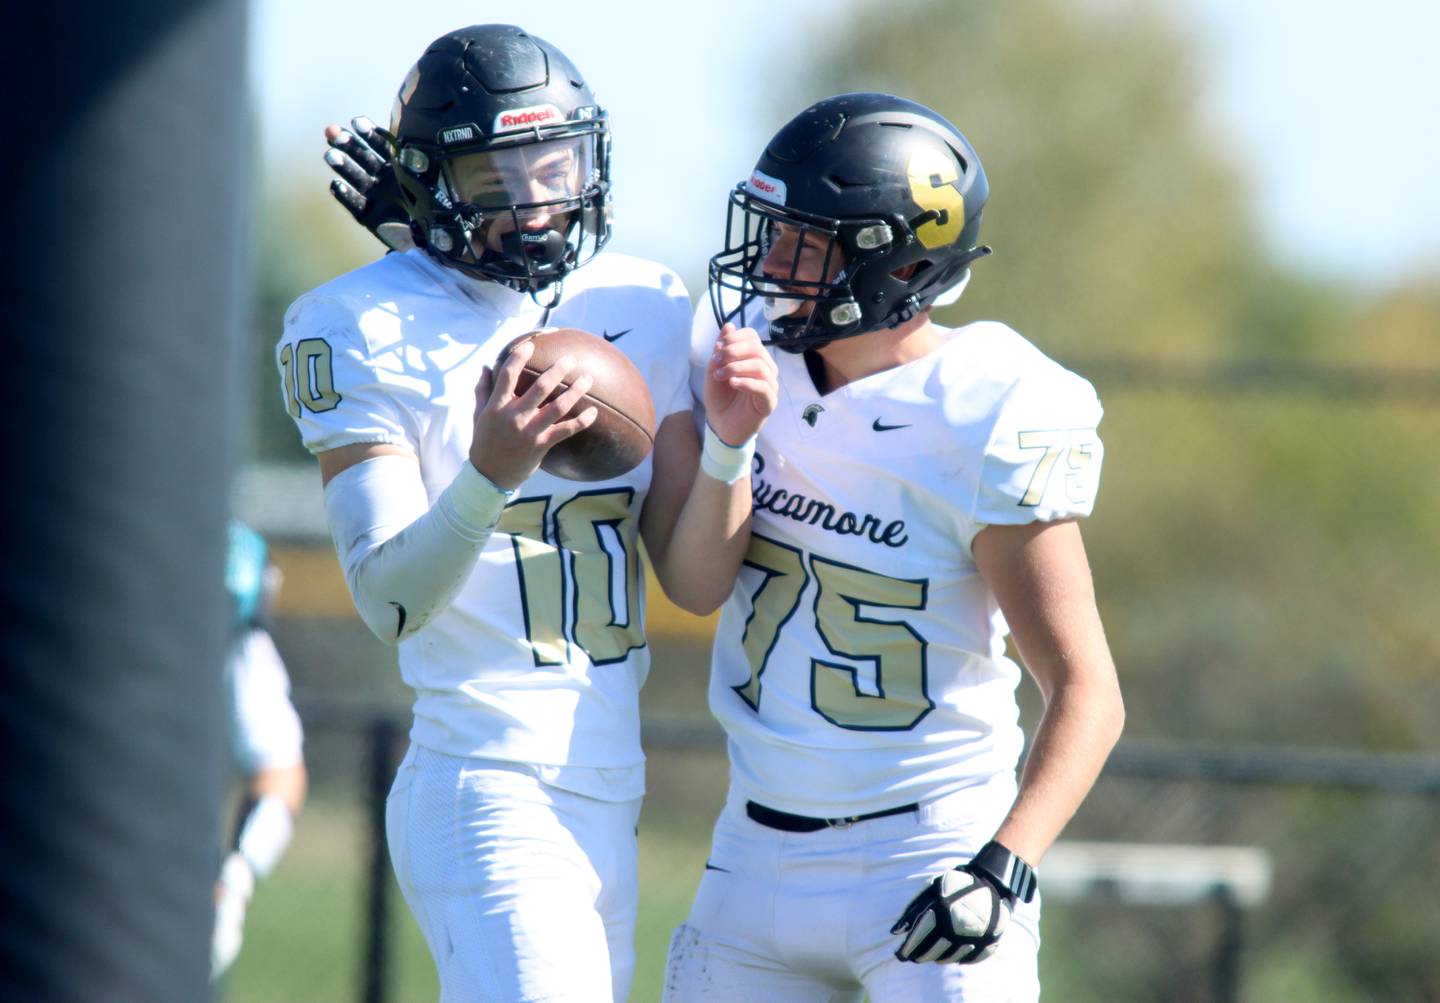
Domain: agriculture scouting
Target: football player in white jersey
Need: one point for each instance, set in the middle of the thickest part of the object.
(266, 742)
(515, 597)
(915, 501)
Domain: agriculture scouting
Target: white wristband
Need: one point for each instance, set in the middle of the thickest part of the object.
(265, 835)
(724, 462)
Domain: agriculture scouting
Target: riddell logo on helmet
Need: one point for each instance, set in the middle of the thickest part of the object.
(768, 188)
(522, 118)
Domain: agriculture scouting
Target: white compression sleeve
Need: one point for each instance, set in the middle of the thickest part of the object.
(405, 560)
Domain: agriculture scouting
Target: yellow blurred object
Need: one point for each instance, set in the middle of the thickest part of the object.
(314, 583)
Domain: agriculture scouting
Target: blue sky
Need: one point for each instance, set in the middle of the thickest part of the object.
(1332, 108)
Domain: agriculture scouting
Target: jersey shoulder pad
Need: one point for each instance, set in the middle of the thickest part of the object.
(615, 271)
(644, 308)
(361, 307)
(1042, 451)
(341, 364)
(615, 294)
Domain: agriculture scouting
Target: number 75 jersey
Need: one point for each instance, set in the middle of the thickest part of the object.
(860, 661)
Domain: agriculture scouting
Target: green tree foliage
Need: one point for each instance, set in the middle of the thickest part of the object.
(1117, 220)
(1231, 523)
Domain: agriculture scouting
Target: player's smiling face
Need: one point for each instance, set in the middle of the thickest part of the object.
(799, 259)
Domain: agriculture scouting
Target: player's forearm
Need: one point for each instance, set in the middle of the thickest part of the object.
(405, 562)
(1082, 722)
(698, 565)
(287, 783)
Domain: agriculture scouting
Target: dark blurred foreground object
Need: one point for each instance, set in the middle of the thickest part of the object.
(123, 295)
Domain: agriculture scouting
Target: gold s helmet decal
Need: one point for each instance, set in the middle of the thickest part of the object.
(932, 184)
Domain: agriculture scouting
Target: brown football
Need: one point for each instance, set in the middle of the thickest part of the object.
(624, 428)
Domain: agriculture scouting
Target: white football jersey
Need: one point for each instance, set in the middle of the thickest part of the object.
(265, 731)
(860, 661)
(540, 657)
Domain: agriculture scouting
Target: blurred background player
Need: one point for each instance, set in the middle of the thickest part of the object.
(915, 498)
(515, 597)
(265, 740)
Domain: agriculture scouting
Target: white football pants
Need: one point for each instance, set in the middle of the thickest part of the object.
(806, 917)
(525, 892)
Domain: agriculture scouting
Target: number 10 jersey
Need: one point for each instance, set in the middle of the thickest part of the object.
(540, 657)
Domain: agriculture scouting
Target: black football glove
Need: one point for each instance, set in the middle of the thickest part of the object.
(366, 185)
(960, 915)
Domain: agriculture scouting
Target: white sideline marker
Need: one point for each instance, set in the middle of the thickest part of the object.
(1156, 874)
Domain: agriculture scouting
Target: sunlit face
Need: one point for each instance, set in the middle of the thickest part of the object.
(530, 175)
(797, 258)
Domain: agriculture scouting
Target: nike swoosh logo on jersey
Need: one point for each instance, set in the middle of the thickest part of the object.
(615, 337)
(400, 628)
(711, 867)
(886, 428)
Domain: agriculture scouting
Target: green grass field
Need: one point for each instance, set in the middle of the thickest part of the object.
(305, 935)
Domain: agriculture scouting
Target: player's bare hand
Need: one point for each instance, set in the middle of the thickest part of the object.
(742, 384)
(514, 431)
(365, 181)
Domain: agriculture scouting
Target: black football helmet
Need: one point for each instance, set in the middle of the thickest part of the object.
(502, 157)
(890, 192)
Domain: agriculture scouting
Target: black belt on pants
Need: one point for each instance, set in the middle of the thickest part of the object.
(786, 822)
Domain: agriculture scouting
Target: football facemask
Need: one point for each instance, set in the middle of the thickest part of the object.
(524, 214)
(793, 264)
(896, 191)
(523, 207)
(502, 157)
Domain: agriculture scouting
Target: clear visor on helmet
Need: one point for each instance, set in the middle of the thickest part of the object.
(532, 174)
